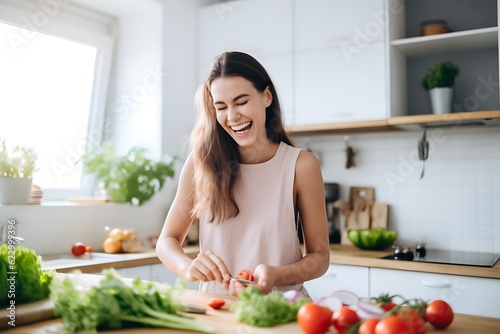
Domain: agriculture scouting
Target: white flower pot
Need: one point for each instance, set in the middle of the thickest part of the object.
(15, 190)
(441, 100)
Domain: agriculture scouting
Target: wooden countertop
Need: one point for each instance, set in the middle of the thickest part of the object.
(224, 322)
(340, 254)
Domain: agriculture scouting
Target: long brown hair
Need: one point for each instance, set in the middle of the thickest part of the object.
(215, 154)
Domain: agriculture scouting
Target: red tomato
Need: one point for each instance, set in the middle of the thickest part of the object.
(216, 303)
(344, 318)
(78, 249)
(393, 324)
(416, 321)
(439, 314)
(368, 326)
(313, 318)
(245, 274)
(388, 306)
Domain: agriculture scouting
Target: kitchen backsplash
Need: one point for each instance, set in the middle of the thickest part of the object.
(455, 206)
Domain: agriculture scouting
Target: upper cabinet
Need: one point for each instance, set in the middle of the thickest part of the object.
(261, 28)
(357, 65)
(339, 61)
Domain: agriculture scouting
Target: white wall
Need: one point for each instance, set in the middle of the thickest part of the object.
(455, 206)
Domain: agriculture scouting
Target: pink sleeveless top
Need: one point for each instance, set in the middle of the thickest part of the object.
(264, 232)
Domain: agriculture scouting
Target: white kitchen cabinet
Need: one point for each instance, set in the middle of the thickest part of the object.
(330, 89)
(339, 61)
(159, 273)
(321, 24)
(142, 272)
(465, 294)
(261, 28)
(339, 277)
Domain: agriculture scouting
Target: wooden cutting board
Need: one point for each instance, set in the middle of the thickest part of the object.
(28, 313)
(379, 215)
(359, 197)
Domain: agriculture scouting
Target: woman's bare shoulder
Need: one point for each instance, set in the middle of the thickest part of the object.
(307, 163)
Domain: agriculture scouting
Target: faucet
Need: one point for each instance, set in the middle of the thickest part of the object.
(5, 237)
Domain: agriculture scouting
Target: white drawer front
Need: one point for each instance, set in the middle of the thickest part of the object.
(339, 277)
(469, 295)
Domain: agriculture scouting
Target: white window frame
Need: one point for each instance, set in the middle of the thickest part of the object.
(62, 19)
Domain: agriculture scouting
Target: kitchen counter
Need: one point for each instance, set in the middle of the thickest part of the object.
(224, 322)
(340, 254)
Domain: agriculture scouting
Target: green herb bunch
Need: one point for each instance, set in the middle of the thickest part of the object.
(257, 309)
(18, 161)
(129, 178)
(440, 75)
(113, 304)
(31, 283)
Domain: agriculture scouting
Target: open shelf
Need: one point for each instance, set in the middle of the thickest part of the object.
(490, 117)
(448, 42)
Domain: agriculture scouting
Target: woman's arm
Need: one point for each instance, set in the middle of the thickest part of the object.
(207, 266)
(309, 193)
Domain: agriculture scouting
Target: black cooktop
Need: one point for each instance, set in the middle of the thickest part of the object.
(455, 257)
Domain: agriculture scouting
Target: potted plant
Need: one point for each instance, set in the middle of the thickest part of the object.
(17, 166)
(129, 178)
(439, 81)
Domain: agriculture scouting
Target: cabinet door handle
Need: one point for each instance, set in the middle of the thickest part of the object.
(436, 284)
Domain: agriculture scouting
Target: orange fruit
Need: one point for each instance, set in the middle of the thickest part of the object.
(116, 234)
(112, 246)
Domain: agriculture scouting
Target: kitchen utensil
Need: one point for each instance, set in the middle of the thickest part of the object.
(188, 308)
(423, 151)
(379, 215)
(349, 153)
(359, 197)
(242, 281)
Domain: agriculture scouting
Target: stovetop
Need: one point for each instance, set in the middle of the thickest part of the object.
(455, 257)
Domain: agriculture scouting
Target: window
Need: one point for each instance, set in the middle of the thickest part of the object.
(55, 68)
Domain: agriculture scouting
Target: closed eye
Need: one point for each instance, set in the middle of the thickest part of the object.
(242, 103)
(221, 108)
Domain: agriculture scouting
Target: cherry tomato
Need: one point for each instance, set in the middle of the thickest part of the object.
(78, 249)
(343, 318)
(88, 249)
(245, 274)
(439, 314)
(313, 318)
(393, 324)
(368, 326)
(414, 319)
(216, 303)
(388, 306)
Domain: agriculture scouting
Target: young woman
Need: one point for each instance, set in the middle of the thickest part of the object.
(247, 185)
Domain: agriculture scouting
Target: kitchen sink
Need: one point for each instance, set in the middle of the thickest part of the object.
(59, 260)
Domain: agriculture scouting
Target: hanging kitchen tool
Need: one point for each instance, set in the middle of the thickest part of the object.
(423, 151)
(349, 153)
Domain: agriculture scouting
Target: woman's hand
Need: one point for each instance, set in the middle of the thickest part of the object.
(264, 276)
(208, 267)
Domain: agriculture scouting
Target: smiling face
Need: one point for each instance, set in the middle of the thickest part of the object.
(241, 109)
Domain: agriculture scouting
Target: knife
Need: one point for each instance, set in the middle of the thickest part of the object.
(242, 281)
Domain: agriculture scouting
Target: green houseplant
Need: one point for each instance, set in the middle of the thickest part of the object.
(129, 178)
(17, 166)
(439, 82)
